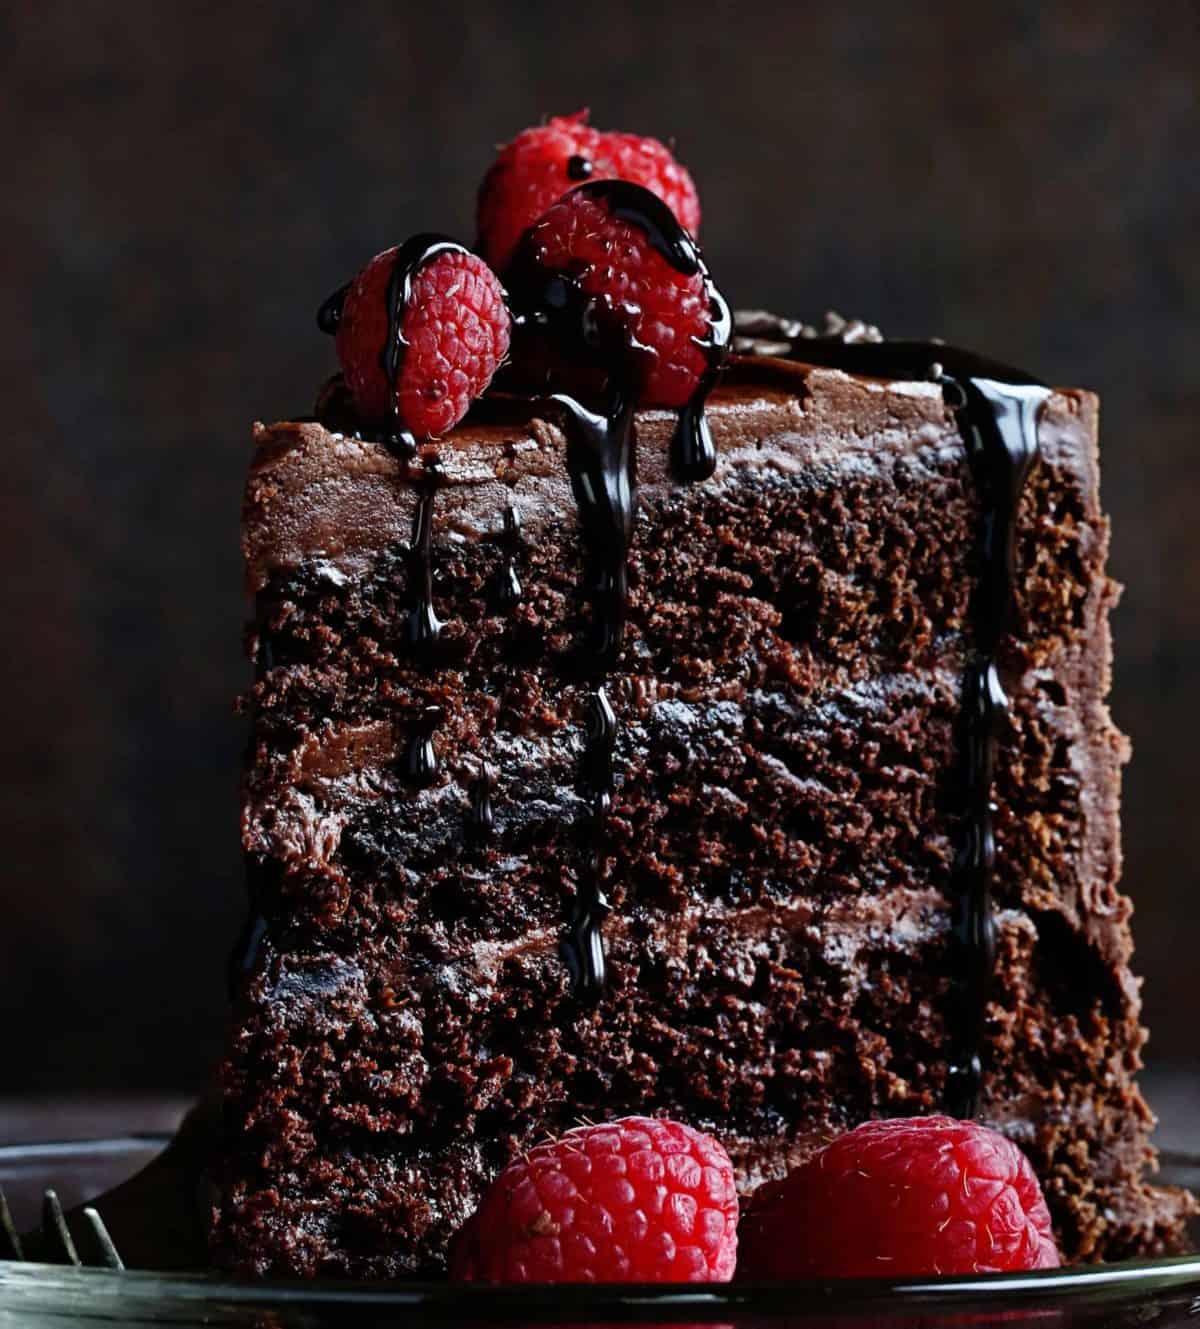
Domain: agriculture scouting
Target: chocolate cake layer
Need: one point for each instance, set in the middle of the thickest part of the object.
(779, 855)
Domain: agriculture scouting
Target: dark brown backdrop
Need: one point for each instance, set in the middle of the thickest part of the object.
(183, 183)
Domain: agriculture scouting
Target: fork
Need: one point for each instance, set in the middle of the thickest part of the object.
(55, 1244)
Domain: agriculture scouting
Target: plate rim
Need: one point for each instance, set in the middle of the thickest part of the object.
(1075, 1285)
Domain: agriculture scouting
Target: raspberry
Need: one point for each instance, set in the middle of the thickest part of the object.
(454, 330)
(630, 1201)
(911, 1196)
(541, 164)
(605, 242)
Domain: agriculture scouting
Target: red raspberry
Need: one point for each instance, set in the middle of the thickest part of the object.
(542, 163)
(645, 305)
(455, 328)
(630, 1201)
(911, 1196)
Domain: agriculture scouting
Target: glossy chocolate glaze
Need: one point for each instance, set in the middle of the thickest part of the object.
(424, 626)
(420, 761)
(507, 589)
(692, 451)
(996, 408)
(481, 819)
(600, 461)
(999, 427)
(329, 316)
(584, 949)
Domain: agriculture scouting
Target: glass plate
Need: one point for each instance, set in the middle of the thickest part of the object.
(40, 1296)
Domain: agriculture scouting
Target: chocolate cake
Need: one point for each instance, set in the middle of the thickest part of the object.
(801, 808)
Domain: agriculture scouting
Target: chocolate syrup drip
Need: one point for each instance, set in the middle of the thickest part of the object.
(329, 316)
(601, 463)
(584, 947)
(599, 443)
(420, 761)
(423, 624)
(692, 451)
(410, 258)
(693, 455)
(998, 422)
(996, 409)
(508, 588)
(905, 360)
(482, 819)
(639, 207)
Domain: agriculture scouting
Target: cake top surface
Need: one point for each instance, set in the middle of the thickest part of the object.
(322, 491)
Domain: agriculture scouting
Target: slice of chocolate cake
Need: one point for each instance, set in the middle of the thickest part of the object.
(765, 872)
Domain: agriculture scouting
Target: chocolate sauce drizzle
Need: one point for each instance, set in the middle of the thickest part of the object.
(998, 422)
(420, 762)
(482, 818)
(508, 590)
(584, 948)
(694, 457)
(424, 626)
(410, 258)
(601, 463)
(996, 409)
(329, 316)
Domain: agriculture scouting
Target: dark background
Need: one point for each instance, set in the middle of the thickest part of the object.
(184, 183)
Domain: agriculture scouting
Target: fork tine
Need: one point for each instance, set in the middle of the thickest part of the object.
(108, 1249)
(54, 1225)
(10, 1242)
